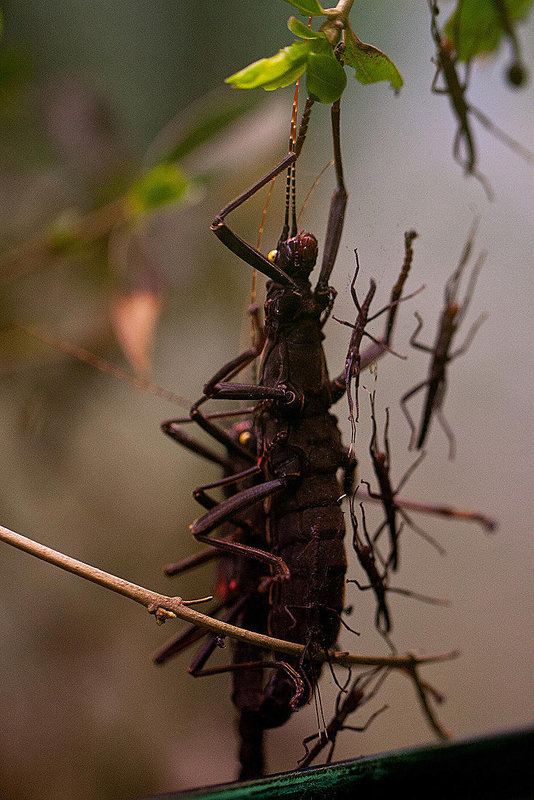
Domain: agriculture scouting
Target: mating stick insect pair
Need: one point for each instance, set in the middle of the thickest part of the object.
(281, 554)
(294, 469)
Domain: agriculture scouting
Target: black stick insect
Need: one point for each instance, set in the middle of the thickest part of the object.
(451, 318)
(381, 460)
(354, 363)
(456, 87)
(347, 702)
(366, 553)
(294, 469)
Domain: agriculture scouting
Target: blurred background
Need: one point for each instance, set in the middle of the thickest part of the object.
(91, 95)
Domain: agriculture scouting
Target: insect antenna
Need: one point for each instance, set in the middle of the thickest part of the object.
(342, 687)
(451, 287)
(312, 189)
(501, 135)
(291, 190)
(348, 627)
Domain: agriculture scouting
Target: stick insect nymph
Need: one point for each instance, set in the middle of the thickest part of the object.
(451, 318)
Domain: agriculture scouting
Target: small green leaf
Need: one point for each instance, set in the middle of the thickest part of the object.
(288, 78)
(370, 64)
(164, 184)
(308, 8)
(274, 72)
(300, 29)
(476, 27)
(325, 77)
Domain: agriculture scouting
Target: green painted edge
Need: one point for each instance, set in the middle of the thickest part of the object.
(499, 765)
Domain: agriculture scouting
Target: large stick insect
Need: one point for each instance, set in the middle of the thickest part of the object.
(455, 88)
(292, 476)
(451, 318)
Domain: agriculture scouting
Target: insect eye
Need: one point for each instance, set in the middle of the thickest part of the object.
(272, 255)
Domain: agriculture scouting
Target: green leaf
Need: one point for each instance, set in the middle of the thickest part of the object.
(274, 72)
(476, 27)
(325, 77)
(288, 78)
(370, 63)
(309, 8)
(166, 183)
(300, 29)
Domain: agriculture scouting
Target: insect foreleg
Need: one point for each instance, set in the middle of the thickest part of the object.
(231, 369)
(469, 338)
(422, 533)
(447, 430)
(419, 345)
(338, 205)
(242, 249)
(403, 405)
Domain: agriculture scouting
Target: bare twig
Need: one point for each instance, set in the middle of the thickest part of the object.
(37, 251)
(103, 365)
(164, 607)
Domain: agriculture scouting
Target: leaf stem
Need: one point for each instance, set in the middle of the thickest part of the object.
(337, 20)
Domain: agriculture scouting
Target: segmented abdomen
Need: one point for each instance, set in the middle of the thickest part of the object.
(305, 526)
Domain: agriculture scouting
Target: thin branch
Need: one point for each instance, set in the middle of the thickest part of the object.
(164, 607)
(36, 252)
(103, 365)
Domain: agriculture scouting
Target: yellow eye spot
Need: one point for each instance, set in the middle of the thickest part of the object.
(245, 437)
(272, 255)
